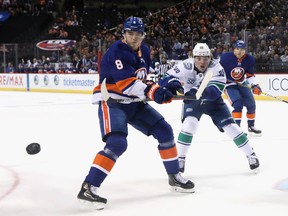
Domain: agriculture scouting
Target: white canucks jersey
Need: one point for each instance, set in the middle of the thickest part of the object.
(185, 71)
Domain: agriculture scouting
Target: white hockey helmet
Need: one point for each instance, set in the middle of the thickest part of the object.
(201, 49)
(157, 63)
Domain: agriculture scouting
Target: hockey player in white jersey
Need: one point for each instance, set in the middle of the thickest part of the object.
(191, 73)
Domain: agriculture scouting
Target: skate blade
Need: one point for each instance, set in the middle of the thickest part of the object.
(91, 205)
(182, 190)
(252, 134)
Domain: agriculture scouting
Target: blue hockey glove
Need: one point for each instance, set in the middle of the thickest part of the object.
(256, 89)
(191, 93)
(160, 95)
(173, 84)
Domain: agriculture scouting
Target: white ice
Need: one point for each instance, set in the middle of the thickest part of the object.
(66, 126)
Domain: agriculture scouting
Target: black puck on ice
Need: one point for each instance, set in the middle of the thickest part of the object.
(33, 148)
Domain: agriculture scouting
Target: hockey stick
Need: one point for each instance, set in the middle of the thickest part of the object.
(204, 83)
(264, 93)
(106, 96)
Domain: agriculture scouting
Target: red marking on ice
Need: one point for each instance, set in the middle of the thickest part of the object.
(15, 183)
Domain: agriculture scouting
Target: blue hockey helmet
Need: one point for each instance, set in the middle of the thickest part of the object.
(134, 24)
(240, 44)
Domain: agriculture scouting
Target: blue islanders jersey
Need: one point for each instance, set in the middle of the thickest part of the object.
(238, 70)
(124, 70)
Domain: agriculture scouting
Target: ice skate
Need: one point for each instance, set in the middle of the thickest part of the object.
(181, 184)
(181, 164)
(254, 130)
(90, 198)
(253, 162)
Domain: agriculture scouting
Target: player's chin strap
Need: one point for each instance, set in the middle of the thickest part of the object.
(106, 96)
(264, 93)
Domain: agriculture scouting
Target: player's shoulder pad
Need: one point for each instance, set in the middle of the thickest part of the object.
(188, 64)
(225, 56)
(213, 63)
(145, 49)
(120, 45)
(120, 50)
(250, 57)
(216, 66)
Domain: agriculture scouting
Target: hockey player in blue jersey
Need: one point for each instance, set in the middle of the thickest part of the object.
(125, 66)
(191, 72)
(239, 68)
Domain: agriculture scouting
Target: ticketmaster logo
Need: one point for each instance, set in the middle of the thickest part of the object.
(78, 82)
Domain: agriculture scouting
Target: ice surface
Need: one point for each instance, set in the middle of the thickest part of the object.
(66, 126)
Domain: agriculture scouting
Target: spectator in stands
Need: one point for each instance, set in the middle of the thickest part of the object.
(48, 69)
(9, 68)
(189, 21)
(61, 69)
(34, 62)
(53, 32)
(21, 68)
(75, 61)
(62, 34)
(83, 44)
(277, 65)
(176, 49)
(84, 63)
(185, 53)
(284, 57)
(93, 68)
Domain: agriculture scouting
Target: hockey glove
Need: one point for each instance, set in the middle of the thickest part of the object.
(159, 94)
(256, 89)
(173, 84)
(191, 93)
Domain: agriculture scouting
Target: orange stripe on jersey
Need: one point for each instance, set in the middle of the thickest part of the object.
(104, 162)
(116, 88)
(106, 118)
(122, 84)
(168, 153)
(110, 87)
(250, 116)
(97, 88)
(237, 115)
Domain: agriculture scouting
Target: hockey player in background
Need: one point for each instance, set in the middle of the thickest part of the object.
(239, 69)
(191, 72)
(125, 66)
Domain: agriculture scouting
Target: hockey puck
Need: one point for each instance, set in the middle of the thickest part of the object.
(33, 148)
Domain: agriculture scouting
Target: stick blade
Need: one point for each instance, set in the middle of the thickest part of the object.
(104, 92)
(204, 83)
